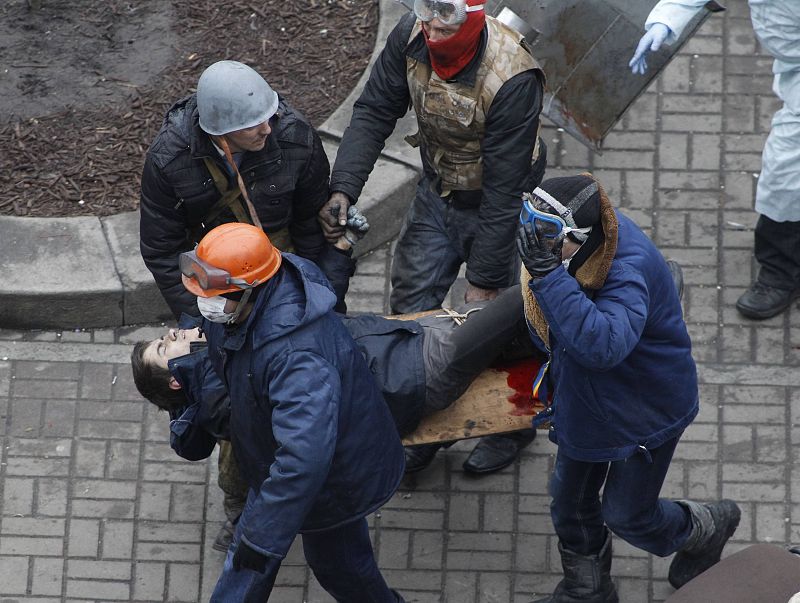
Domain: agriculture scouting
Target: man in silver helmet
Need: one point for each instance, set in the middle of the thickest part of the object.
(233, 151)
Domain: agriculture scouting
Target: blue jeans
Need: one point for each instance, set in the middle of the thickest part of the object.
(342, 560)
(630, 507)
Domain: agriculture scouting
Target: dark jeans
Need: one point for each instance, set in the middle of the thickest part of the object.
(455, 354)
(344, 563)
(436, 239)
(630, 507)
(777, 250)
(342, 560)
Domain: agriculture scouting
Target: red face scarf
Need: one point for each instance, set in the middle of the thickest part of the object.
(451, 55)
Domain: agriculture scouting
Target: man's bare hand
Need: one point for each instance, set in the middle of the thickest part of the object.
(474, 293)
(333, 217)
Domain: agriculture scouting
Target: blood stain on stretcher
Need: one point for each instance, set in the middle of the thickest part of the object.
(520, 375)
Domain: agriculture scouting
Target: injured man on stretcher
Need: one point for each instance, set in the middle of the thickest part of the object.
(421, 366)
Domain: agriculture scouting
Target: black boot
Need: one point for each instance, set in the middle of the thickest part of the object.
(587, 578)
(497, 451)
(712, 525)
(761, 301)
(420, 456)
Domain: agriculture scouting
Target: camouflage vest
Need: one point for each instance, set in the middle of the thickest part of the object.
(452, 117)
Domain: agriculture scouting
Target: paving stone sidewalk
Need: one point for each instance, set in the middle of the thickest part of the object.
(95, 507)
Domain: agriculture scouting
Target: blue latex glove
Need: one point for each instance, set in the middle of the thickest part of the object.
(651, 41)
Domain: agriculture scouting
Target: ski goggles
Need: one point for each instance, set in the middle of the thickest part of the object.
(208, 276)
(546, 224)
(453, 12)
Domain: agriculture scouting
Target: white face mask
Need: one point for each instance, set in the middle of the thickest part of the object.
(566, 261)
(213, 309)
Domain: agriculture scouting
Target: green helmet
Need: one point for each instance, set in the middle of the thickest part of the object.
(232, 96)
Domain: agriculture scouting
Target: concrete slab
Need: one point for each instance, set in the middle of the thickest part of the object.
(44, 351)
(142, 300)
(87, 272)
(396, 148)
(62, 274)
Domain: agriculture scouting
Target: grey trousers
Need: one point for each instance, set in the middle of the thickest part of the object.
(455, 354)
(230, 482)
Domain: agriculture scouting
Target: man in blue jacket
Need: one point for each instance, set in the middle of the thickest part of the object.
(310, 430)
(600, 299)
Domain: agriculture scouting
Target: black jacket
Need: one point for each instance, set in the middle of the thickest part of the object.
(393, 350)
(511, 126)
(287, 182)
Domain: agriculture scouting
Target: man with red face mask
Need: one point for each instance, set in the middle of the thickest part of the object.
(477, 93)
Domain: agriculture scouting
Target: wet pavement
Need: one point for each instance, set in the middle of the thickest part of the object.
(96, 507)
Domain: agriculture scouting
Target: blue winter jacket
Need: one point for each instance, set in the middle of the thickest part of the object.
(310, 430)
(195, 429)
(622, 373)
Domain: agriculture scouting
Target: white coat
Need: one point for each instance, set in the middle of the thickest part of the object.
(777, 25)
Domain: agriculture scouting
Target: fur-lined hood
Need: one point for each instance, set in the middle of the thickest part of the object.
(590, 275)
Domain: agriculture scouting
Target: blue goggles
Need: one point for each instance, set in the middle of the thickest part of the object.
(550, 226)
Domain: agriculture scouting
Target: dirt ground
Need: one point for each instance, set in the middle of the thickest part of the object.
(84, 84)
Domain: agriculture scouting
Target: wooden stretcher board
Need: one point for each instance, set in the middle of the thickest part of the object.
(498, 401)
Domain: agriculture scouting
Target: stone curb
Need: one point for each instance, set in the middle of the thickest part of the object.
(87, 272)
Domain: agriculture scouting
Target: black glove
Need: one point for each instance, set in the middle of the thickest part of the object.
(249, 558)
(540, 255)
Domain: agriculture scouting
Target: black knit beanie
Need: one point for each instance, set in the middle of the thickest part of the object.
(579, 194)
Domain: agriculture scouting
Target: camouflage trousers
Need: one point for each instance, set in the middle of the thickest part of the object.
(230, 482)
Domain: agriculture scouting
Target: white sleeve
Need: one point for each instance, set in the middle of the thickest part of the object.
(675, 14)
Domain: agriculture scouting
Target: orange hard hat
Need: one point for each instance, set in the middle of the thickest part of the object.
(232, 257)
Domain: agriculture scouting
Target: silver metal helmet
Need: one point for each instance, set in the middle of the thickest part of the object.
(232, 96)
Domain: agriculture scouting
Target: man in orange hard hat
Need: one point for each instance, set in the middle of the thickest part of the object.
(309, 427)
